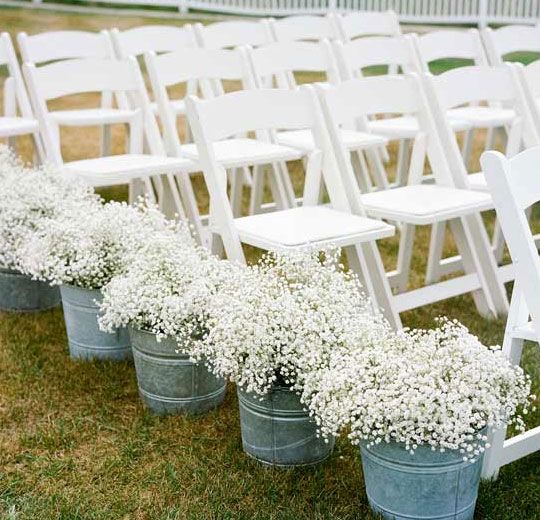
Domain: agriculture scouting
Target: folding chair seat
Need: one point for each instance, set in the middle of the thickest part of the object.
(18, 118)
(120, 169)
(240, 151)
(161, 177)
(416, 203)
(423, 204)
(515, 187)
(315, 225)
(309, 226)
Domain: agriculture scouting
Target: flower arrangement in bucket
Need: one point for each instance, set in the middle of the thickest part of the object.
(28, 198)
(81, 251)
(419, 404)
(163, 297)
(279, 322)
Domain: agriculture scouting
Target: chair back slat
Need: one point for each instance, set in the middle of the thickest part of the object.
(445, 44)
(249, 110)
(475, 83)
(303, 27)
(393, 51)
(509, 39)
(222, 35)
(151, 38)
(195, 64)
(368, 23)
(62, 45)
(282, 59)
(80, 76)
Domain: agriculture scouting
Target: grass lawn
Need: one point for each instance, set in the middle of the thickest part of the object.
(76, 443)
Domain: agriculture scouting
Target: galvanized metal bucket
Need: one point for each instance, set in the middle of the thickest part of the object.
(20, 293)
(278, 431)
(426, 485)
(169, 383)
(85, 339)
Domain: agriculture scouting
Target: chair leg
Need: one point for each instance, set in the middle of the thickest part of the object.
(406, 241)
(365, 260)
(436, 245)
(402, 168)
(468, 140)
(477, 257)
(257, 190)
(361, 171)
(236, 190)
(512, 348)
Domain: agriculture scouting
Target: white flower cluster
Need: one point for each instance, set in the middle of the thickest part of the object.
(166, 289)
(438, 387)
(283, 319)
(28, 198)
(87, 247)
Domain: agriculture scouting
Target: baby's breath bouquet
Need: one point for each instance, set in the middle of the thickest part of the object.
(283, 319)
(166, 288)
(441, 388)
(87, 247)
(29, 197)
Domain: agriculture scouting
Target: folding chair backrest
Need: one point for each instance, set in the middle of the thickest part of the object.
(445, 44)
(209, 67)
(471, 85)
(357, 99)
(529, 76)
(197, 64)
(509, 39)
(475, 83)
(304, 27)
(62, 45)
(264, 110)
(392, 51)
(79, 76)
(9, 58)
(280, 60)
(151, 38)
(515, 185)
(367, 23)
(222, 35)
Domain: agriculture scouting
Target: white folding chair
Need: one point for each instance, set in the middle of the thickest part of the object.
(159, 39)
(311, 225)
(464, 45)
(499, 43)
(230, 34)
(210, 68)
(276, 64)
(394, 52)
(515, 186)
(367, 23)
(18, 118)
(52, 46)
(462, 89)
(79, 76)
(303, 28)
(418, 204)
